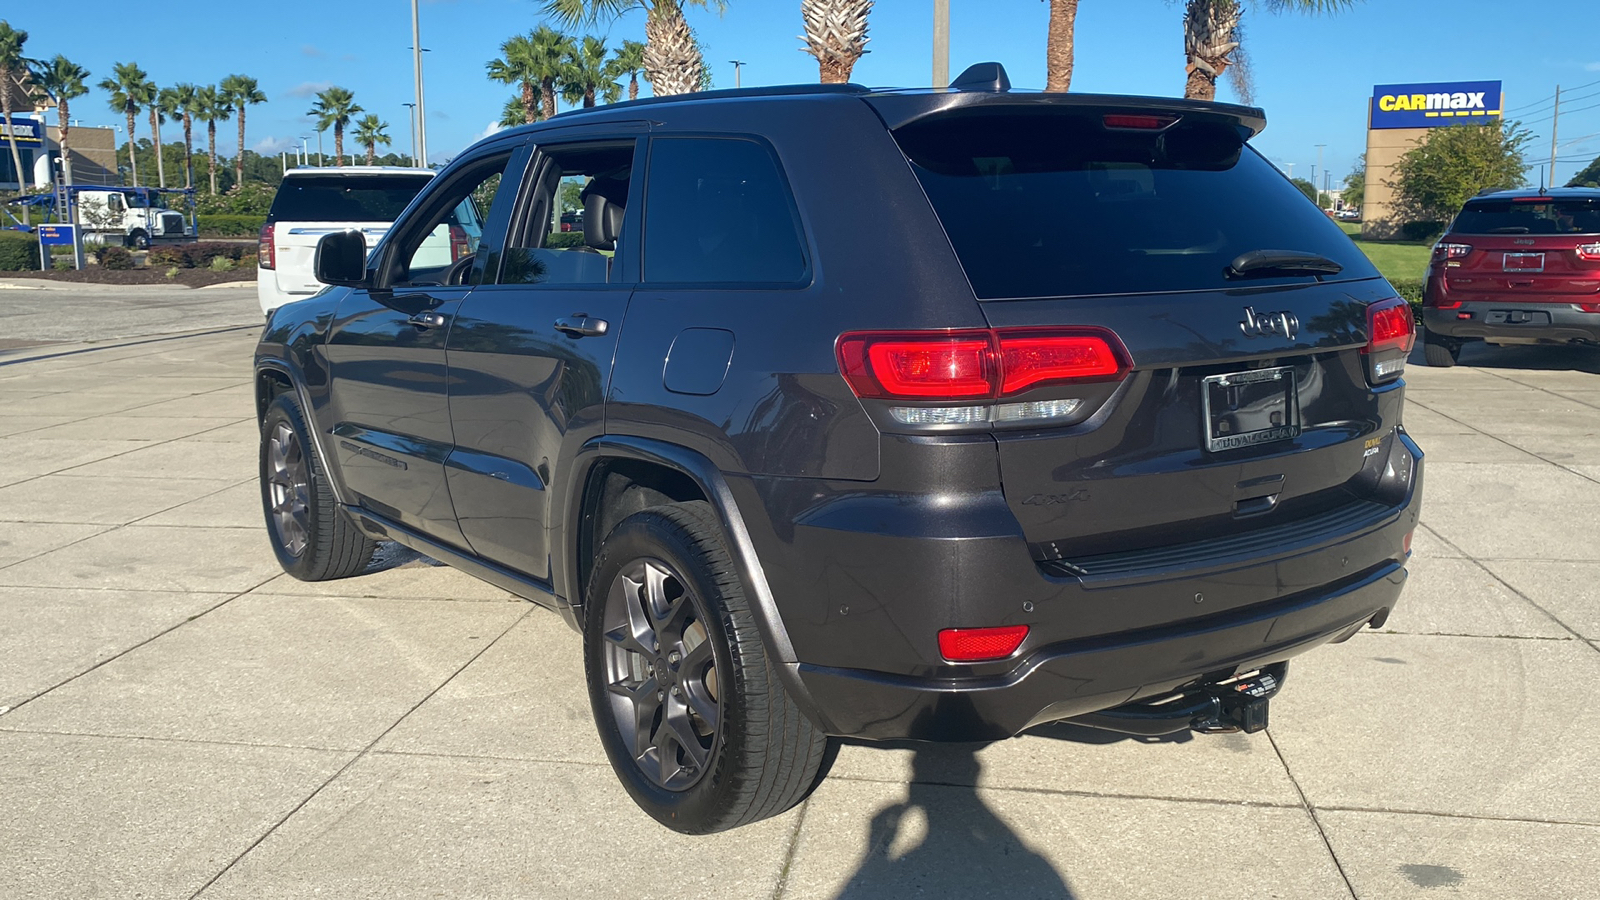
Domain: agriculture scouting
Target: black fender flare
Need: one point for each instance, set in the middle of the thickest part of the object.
(289, 370)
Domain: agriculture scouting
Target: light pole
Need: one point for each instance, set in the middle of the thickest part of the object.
(412, 108)
(305, 154)
(738, 64)
(422, 108)
(320, 161)
(941, 43)
(1317, 166)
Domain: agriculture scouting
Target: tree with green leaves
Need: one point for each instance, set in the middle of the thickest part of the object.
(370, 132)
(1355, 184)
(1213, 41)
(672, 58)
(586, 73)
(211, 107)
(532, 62)
(63, 80)
(335, 107)
(516, 113)
(181, 102)
(836, 34)
(1305, 187)
(150, 99)
(12, 64)
(1588, 176)
(242, 91)
(1450, 165)
(126, 87)
(628, 60)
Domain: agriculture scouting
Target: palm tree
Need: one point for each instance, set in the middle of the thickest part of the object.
(672, 59)
(585, 72)
(519, 64)
(211, 107)
(1212, 37)
(149, 97)
(125, 87)
(12, 63)
(241, 91)
(335, 107)
(836, 34)
(371, 131)
(1058, 46)
(629, 61)
(516, 113)
(182, 101)
(62, 79)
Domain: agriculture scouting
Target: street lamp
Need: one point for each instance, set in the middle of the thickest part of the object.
(412, 108)
(422, 108)
(738, 64)
(941, 43)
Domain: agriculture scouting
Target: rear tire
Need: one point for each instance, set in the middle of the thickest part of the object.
(1440, 352)
(313, 539)
(689, 706)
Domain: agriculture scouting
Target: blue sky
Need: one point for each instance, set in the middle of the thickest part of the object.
(1313, 74)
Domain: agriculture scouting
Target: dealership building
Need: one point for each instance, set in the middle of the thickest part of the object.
(1399, 116)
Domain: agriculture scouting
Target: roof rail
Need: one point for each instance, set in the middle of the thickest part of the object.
(776, 90)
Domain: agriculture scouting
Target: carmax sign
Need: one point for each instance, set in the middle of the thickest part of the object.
(1435, 104)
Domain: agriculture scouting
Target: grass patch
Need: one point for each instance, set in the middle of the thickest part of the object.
(1396, 260)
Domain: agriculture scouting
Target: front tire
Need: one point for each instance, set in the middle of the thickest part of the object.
(313, 539)
(139, 240)
(689, 707)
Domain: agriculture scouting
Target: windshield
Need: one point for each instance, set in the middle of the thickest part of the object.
(345, 198)
(1045, 204)
(1535, 215)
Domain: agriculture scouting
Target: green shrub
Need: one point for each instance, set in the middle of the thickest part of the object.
(165, 255)
(19, 251)
(1427, 230)
(173, 272)
(1410, 290)
(221, 264)
(253, 198)
(114, 257)
(231, 225)
(199, 255)
(248, 261)
(563, 240)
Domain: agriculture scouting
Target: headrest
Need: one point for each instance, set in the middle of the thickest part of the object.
(602, 221)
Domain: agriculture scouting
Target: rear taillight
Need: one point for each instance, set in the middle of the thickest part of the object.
(980, 644)
(1443, 251)
(1590, 252)
(266, 249)
(1391, 331)
(460, 247)
(1137, 122)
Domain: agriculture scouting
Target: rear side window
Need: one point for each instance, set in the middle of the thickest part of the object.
(717, 211)
(345, 198)
(1056, 204)
(1532, 216)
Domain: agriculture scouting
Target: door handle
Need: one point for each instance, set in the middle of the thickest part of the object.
(426, 320)
(582, 325)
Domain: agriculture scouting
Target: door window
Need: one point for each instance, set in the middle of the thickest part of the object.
(569, 230)
(718, 211)
(443, 248)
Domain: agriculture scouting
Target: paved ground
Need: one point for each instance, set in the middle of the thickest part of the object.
(33, 313)
(181, 719)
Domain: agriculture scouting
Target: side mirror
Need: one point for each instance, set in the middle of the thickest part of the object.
(341, 259)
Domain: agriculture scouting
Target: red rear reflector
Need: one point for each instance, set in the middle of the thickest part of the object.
(1589, 307)
(1138, 122)
(1405, 545)
(266, 248)
(976, 364)
(979, 644)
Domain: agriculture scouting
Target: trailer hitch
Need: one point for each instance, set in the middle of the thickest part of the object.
(1233, 704)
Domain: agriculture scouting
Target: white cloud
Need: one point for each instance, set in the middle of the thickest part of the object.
(268, 146)
(493, 127)
(307, 89)
(1591, 67)
(312, 51)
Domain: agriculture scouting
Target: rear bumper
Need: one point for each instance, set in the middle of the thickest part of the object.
(1566, 323)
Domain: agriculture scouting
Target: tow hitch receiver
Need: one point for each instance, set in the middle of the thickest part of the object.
(1236, 703)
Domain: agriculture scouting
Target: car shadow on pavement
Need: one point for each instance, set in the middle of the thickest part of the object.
(943, 839)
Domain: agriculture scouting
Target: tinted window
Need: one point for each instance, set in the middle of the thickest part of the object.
(1534, 216)
(718, 212)
(542, 249)
(1055, 204)
(345, 198)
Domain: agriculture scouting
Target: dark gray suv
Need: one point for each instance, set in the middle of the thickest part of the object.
(928, 414)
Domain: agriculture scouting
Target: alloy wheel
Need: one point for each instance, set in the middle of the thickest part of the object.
(661, 674)
(289, 488)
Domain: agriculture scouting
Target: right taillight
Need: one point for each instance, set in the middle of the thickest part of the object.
(266, 249)
(1590, 252)
(1443, 251)
(1391, 331)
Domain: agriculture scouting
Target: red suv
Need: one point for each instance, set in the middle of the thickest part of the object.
(1515, 267)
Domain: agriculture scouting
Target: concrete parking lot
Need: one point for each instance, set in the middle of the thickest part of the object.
(178, 718)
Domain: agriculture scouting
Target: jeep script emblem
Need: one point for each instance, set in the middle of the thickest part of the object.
(1260, 324)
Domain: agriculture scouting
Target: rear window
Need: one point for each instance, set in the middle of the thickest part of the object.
(1534, 216)
(1054, 204)
(345, 198)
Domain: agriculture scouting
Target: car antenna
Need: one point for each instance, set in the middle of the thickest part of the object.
(1541, 181)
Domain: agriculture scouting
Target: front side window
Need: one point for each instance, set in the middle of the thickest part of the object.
(569, 231)
(442, 251)
(718, 211)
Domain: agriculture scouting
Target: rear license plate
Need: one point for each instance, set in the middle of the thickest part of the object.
(1243, 409)
(1517, 317)
(1524, 262)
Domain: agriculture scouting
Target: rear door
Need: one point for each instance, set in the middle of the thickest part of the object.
(1525, 250)
(309, 206)
(1248, 400)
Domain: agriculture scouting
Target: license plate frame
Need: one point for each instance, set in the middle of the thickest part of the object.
(1525, 262)
(1247, 409)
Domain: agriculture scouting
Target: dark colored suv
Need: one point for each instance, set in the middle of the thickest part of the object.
(1515, 267)
(929, 414)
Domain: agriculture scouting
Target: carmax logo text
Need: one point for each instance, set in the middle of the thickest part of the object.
(1460, 103)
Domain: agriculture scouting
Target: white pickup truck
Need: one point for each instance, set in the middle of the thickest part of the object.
(312, 202)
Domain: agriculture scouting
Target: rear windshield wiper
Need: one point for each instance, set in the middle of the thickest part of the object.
(1280, 262)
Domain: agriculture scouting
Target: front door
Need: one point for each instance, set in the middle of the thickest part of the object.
(386, 350)
(530, 355)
